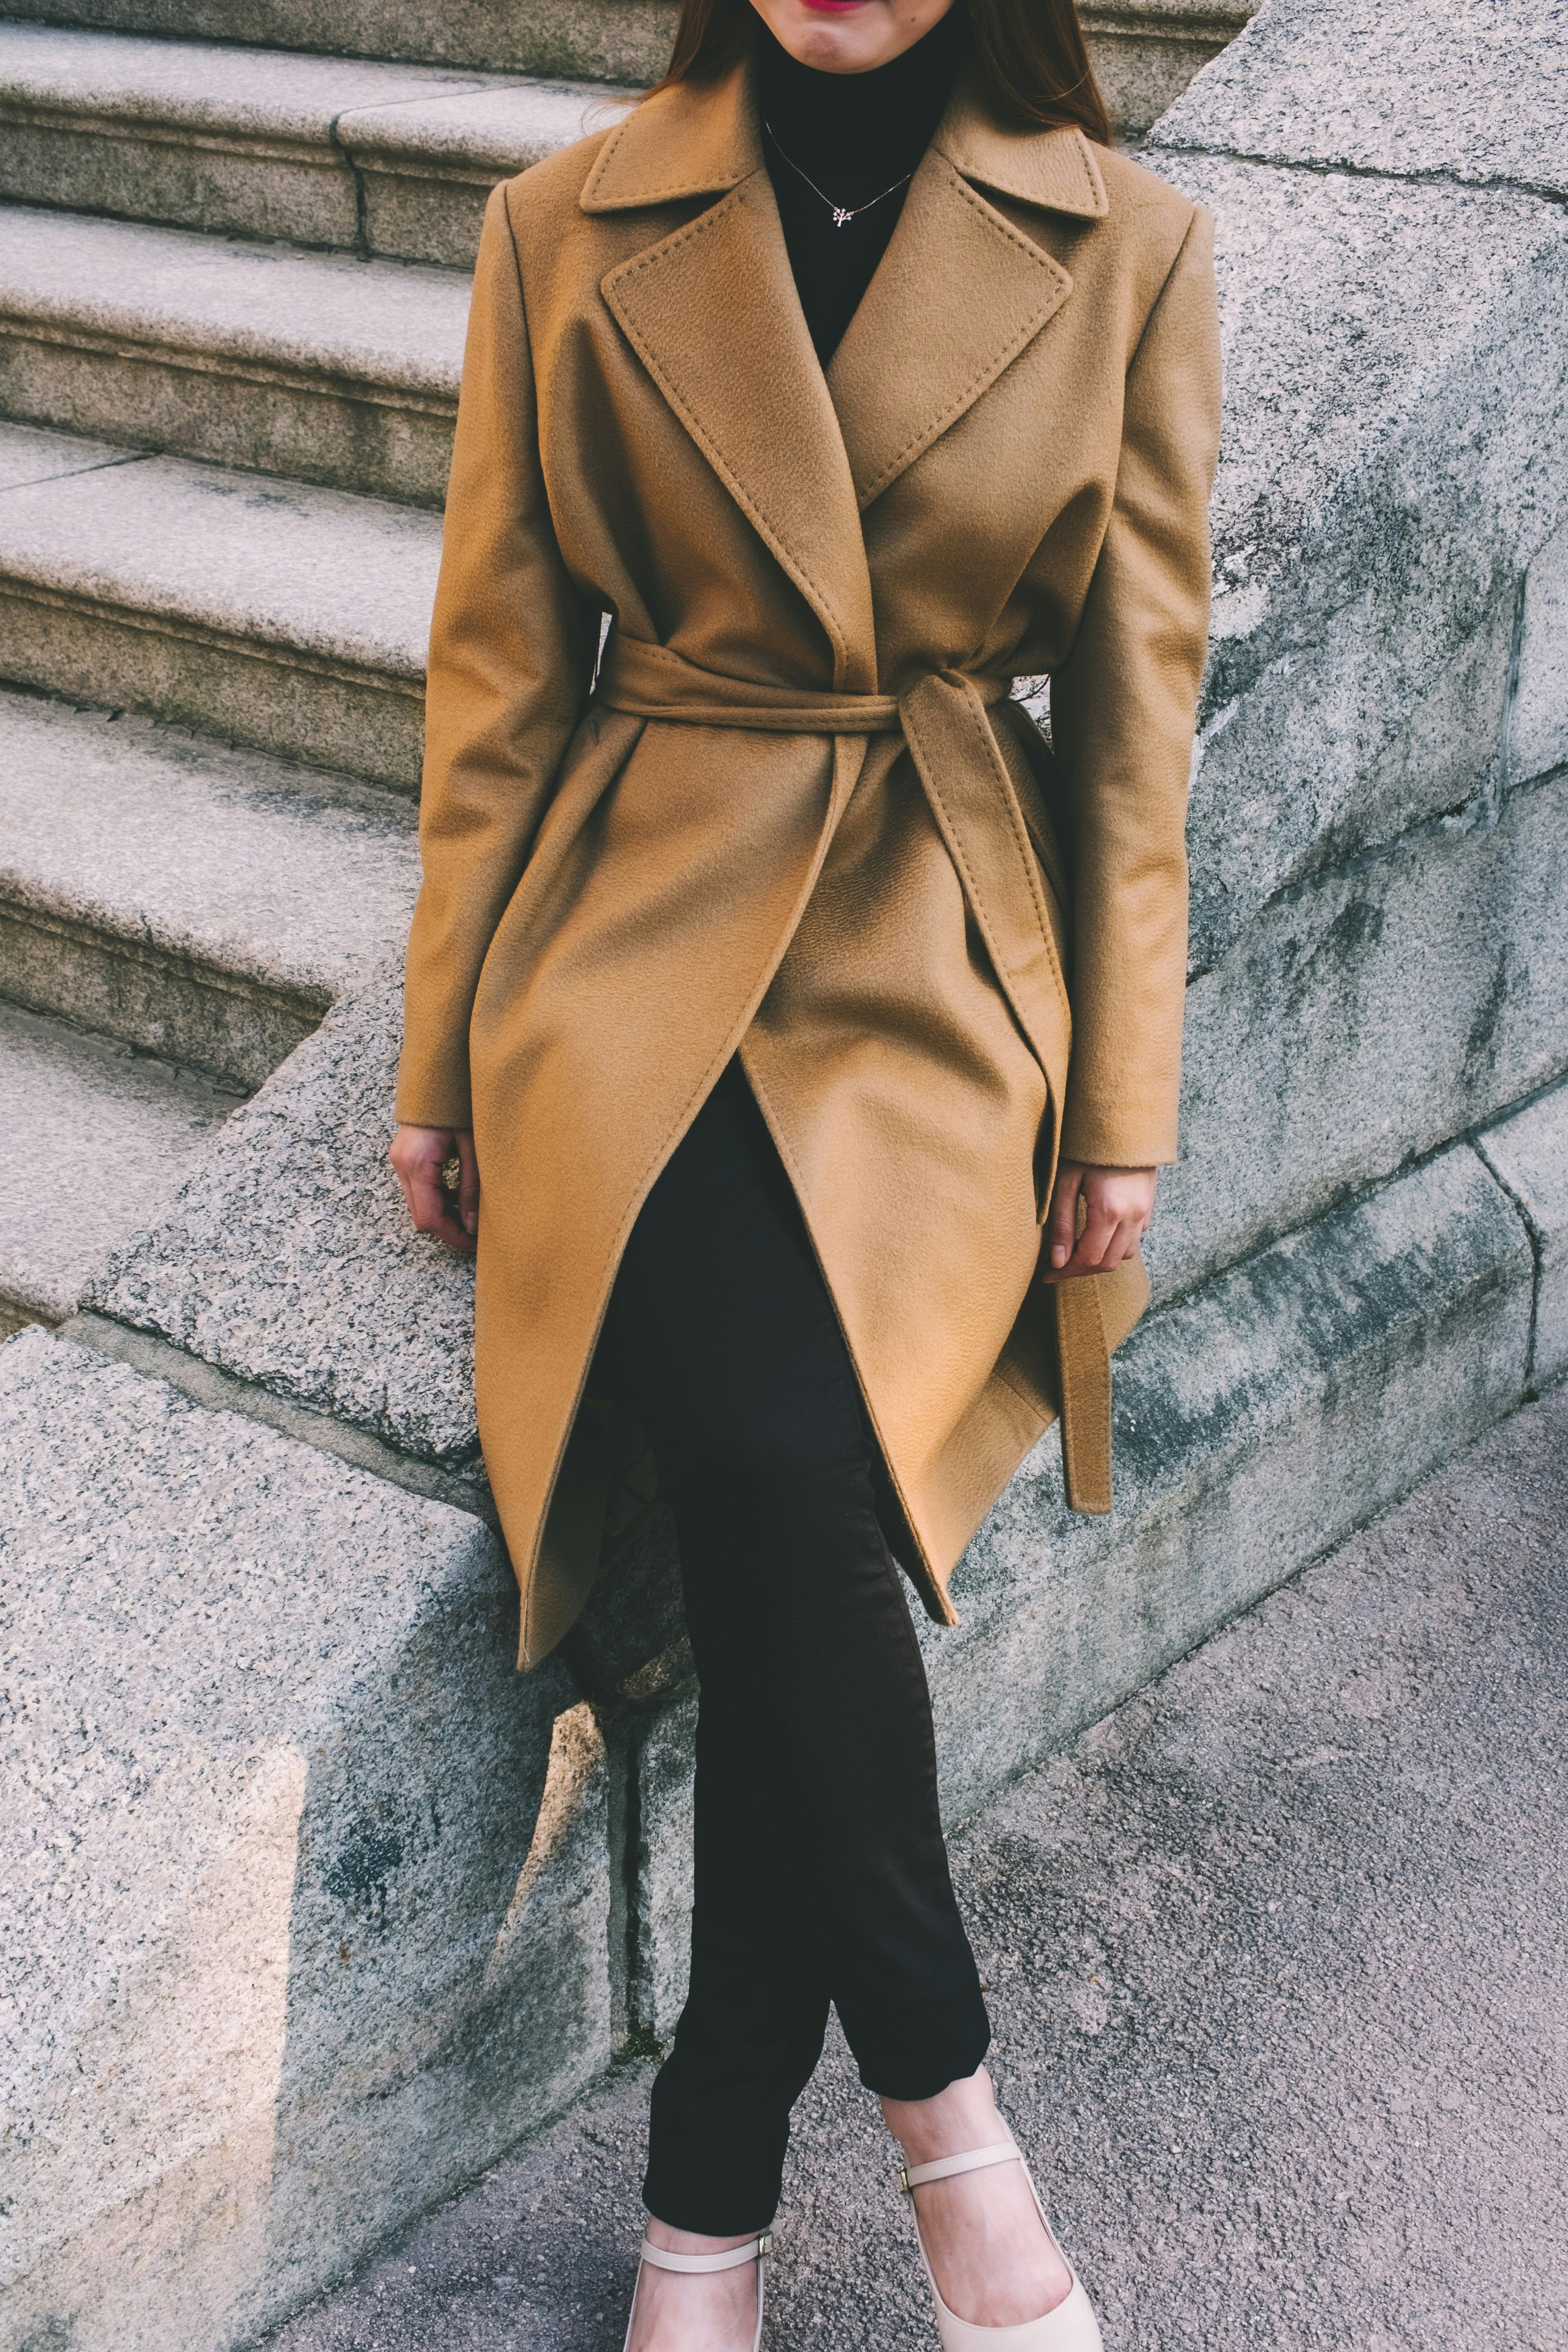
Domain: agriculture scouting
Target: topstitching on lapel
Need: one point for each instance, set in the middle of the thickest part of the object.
(711, 311)
(960, 293)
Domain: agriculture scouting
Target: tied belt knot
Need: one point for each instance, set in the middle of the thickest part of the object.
(945, 721)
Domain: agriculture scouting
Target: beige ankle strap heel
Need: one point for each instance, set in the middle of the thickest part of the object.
(756, 2250)
(1070, 2327)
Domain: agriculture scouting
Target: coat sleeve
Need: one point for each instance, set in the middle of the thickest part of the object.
(1122, 712)
(511, 648)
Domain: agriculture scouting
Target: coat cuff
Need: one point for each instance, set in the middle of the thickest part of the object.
(1119, 1137)
(433, 1098)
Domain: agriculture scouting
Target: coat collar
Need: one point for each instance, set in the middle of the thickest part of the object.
(700, 139)
(711, 310)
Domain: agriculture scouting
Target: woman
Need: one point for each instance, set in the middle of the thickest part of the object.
(851, 376)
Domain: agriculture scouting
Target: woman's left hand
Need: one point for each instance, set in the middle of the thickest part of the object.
(1118, 1203)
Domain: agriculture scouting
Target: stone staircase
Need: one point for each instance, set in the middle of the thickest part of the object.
(233, 295)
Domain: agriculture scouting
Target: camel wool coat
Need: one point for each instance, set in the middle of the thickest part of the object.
(789, 812)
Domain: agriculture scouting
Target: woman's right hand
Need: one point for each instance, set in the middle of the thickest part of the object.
(417, 1155)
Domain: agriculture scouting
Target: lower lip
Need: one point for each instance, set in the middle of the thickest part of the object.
(833, 8)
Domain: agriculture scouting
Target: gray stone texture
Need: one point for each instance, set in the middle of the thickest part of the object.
(222, 140)
(1538, 735)
(1259, 1420)
(661, 1951)
(201, 904)
(95, 1141)
(28, 456)
(1475, 90)
(1393, 460)
(289, 1260)
(1144, 56)
(625, 41)
(1274, 1958)
(1361, 1018)
(425, 169)
(389, 159)
(309, 1892)
(1528, 1153)
(314, 365)
(287, 616)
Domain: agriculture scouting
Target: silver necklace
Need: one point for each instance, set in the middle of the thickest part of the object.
(842, 214)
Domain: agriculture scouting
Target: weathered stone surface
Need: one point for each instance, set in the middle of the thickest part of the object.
(1538, 732)
(662, 1948)
(309, 1890)
(315, 365)
(96, 1142)
(213, 138)
(289, 1258)
(1257, 1423)
(28, 454)
(1145, 56)
(1469, 90)
(1363, 1019)
(425, 169)
(1391, 460)
(1528, 1153)
(602, 40)
(288, 887)
(291, 616)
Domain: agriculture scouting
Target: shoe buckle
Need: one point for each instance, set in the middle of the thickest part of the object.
(904, 2189)
(764, 2245)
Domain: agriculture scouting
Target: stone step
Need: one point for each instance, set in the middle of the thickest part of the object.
(279, 614)
(203, 905)
(596, 40)
(394, 159)
(97, 1138)
(1145, 51)
(313, 365)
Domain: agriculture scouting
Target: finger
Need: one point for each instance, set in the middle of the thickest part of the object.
(1099, 1227)
(468, 1189)
(1062, 1226)
(1099, 1247)
(435, 1210)
(1124, 1241)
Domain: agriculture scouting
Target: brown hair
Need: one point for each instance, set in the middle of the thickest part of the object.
(1030, 55)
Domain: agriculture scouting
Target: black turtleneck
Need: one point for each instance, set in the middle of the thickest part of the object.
(854, 134)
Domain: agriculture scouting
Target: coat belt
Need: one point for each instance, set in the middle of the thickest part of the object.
(945, 721)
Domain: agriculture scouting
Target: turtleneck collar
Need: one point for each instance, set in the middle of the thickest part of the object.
(877, 121)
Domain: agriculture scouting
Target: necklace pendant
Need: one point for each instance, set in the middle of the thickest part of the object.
(840, 214)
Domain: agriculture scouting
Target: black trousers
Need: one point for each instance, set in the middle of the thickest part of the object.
(821, 1874)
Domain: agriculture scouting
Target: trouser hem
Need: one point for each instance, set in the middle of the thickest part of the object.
(908, 2084)
(711, 2210)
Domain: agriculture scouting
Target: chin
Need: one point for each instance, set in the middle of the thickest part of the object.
(828, 43)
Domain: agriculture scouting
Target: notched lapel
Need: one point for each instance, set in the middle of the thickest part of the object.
(713, 313)
(959, 295)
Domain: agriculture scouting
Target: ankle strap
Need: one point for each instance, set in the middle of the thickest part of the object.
(755, 2250)
(914, 2175)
